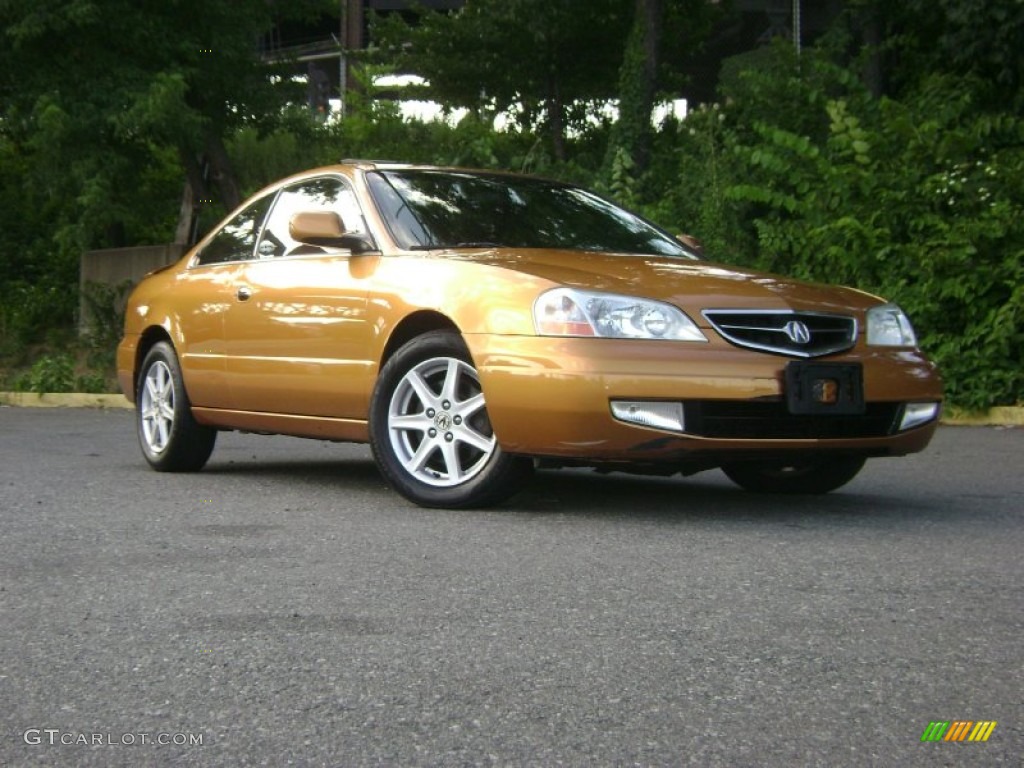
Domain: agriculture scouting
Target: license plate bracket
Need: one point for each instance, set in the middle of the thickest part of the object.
(824, 388)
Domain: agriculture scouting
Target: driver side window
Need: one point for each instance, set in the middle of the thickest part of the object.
(328, 194)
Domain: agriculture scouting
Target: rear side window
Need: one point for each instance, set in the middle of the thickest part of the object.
(236, 240)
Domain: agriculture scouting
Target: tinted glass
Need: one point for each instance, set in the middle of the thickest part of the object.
(328, 194)
(436, 209)
(236, 241)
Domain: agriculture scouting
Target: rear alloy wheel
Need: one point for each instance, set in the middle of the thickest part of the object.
(430, 432)
(170, 438)
(819, 475)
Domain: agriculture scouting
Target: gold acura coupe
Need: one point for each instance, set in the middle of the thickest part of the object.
(472, 325)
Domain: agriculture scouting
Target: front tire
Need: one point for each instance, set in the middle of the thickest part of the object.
(429, 429)
(170, 438)
(811, 476)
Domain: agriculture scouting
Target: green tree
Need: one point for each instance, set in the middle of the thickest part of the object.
(541, 60)
(99, 89)
(664, 36)
(903, 44)
(106, 107)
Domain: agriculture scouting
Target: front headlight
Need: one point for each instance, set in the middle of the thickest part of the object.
(570, 312)
(888, 326)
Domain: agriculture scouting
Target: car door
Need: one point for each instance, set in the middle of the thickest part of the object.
(298, 336)
(203, 300)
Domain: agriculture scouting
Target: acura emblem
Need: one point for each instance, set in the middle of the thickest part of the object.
(797, 331)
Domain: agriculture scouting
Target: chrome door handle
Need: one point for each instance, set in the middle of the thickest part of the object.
(244, 293)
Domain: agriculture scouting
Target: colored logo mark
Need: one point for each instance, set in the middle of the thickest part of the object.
(958, 730)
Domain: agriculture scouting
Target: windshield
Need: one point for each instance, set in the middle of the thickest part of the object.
(427, 209)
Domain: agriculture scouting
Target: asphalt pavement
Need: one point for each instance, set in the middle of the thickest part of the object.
(283, 607)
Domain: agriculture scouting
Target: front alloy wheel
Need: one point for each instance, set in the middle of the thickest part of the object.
(437, 425)
(170, 438)
(430, 432)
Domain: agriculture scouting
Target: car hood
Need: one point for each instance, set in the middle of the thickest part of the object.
(691, 285)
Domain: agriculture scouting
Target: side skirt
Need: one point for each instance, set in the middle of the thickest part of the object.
(318, 427)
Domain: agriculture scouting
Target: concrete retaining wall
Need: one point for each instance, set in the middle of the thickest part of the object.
(115, 266)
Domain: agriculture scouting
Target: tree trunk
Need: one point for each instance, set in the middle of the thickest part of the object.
(649, 15)
(652, 12)
(194, 194)
(874, 72)
(186, 216)
(557, 118)
(222, 175)
(211, 169)
(638, 80)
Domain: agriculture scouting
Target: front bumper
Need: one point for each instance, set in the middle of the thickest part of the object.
(127, 350)
(552, 397)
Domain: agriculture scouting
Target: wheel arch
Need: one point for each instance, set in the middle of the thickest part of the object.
(416, 324)
(149, 338)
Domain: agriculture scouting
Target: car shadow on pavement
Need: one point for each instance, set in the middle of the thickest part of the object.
(586, 493)
(347, 473)
(706, 496)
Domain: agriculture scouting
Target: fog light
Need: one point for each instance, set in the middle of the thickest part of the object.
(659, 415)
(916, 414)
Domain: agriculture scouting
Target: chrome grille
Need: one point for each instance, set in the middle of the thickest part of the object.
(797, 334)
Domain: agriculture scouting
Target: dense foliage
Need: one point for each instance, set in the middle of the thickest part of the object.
(106, 106)
(919, 200)
(546, 89)
(889, 156)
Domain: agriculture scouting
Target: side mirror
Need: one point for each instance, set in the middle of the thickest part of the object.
(691, 242)
(325, 228)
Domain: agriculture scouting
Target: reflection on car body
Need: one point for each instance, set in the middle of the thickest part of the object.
(472, 325)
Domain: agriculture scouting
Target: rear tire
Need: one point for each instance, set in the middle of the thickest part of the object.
(429, 429)
(170, 438)
(810, 476)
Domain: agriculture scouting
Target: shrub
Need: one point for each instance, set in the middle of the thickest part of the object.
(50, 373)
(919, 201)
